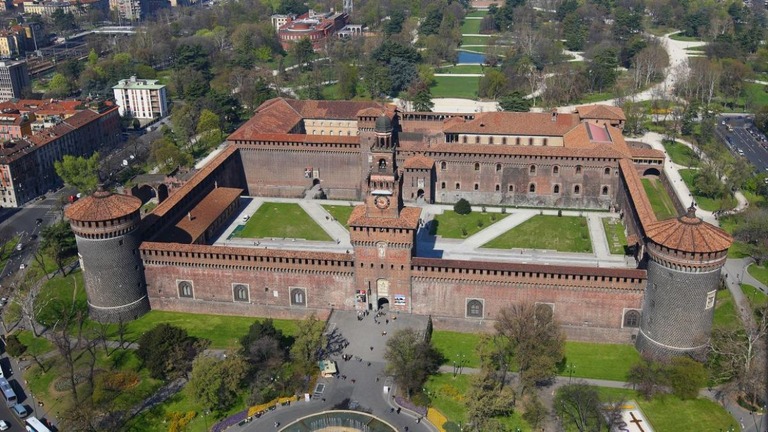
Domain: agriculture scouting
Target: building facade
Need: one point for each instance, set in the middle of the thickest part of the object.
(14, 77)
(141, 99)
(391, 161)
(317, 27)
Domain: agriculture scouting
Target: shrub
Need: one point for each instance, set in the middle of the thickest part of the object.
(686, 376)
(420, 399)
(484, 209)
(462, 207)
(480, 224)
(14, 347)
(493, 217)
(559, 213)
(503, 210)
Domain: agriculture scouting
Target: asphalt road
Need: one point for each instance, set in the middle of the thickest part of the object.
(745, 137)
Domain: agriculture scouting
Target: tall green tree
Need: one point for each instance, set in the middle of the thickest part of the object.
(79, 172)
(308, 343)
(515, 102)
(303, 51)
(348, 79)
(411, 359)
(579, 406)
(215, 383)
(59, 86)
(59, 242)
(167, 351)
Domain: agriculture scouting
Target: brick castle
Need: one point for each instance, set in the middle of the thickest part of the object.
(393, 161)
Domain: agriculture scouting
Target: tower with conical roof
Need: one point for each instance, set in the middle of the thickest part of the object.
(106, 227)
(686, 255)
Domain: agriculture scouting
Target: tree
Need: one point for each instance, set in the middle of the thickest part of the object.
(167, 351)
(79, 172)
(411, 359)
(168, 155)
(487, 399)
(601, 70)
(575, 32)
(648, 377)
(401, 74)
(59, 242)
(492, 84)
(515, 102)
(579, 406)
(754, 232)
(13, 346)
(308, 344)
(686, 376)
(59, 86)
(63, 21)
(536, 339)
(264, 346)
(376, 79)
(348, 79)
(303, 51)
(214, 383)
(209, 121)
(462, 207)
(184, 118)
(708, 183)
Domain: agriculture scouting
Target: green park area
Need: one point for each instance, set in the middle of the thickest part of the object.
(471, 26)
(340, 212)
(726, 316)
(681, 154)
(661, 202)
(453, 225)
(282, 220)
(759, 272)
(475, 40)
(703, 202)
(614, 233)
(455, 87)
(755, 297)
(461, 69)
(560, 233)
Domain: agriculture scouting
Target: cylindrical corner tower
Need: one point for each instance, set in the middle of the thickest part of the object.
(685, 258)
(106, 228)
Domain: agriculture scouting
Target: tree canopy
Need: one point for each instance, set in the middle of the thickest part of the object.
(167, 351)
(411, 359)
(79, 172)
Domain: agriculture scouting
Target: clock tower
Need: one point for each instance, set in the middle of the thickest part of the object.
(382, 231)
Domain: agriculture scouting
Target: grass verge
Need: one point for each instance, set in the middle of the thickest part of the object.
(725, 312)
(340, 213)
(756, 298)
(614, 232)
(661, 202)
(759, 272)
(284, 220)
(453, 225)
(681, 154)
(561, 233)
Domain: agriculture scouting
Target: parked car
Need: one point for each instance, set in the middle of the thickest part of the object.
(22, 266)
(4, 425)
(20, 410)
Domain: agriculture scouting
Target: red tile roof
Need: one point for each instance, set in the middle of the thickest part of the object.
(409, 218)
(419, 162)
(273, 116)
(637, 193)
(600, 112)
(202, 216)
(689, 233)
(334, 110)
(646, 153)
(506, 123)
(101, 206)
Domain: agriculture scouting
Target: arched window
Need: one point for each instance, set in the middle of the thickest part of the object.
(475, 308)
(504, 140)
(556, 189)
(477, 140)
(532, 170)
(511, 188)
(532, 187)
(442, 185)
(544, 142)
(240, 292)
(382, 164)
(298, 297)
(517, 141)
(464, 139)
(607, 171)
(477, 166)
(605, 190)
(555, 170)
(442, 165)
(578, 169)
(185, 289)
(530, 141)
(458, 186)
(490, 140)
(476, 186)
(498, 187)
(498, 167)
(576, 189)
(631, 318)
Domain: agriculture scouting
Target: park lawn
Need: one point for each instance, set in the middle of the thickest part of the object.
(729, 224)
(756, 95)
(475, 40)
(725, 312)
(756, 298)
(759, 272)
(67, 291)
(681, 154)
(340, 212)
(753, 198)
(447, 394)
(461, 69)
(223, 331)
(471, 26)
(453, 225)
(600, 361)
(614, 232)
(477, 13)
(454, 345)
(596, 97)
(670, 413)
(455, 87)
(705, 203)
(661, 202)
(560, 233)
(282, 220)
(35, 345)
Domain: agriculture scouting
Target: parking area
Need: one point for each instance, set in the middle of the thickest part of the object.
(744, 139)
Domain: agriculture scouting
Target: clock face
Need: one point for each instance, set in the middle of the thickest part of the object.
(382, 202)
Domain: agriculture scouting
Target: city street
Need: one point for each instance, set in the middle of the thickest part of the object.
(744, 140)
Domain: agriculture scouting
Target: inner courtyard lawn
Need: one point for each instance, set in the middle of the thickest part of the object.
(614, 232)
(661, 202)
(759, 272)
(681, 154)
(455, 87)
(453, 225)
(340, 212)
(560, 233)
(284, 220)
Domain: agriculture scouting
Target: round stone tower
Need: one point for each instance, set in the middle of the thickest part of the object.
(685, 258)
(106, 228)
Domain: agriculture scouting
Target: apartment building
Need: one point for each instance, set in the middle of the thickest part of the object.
(141, 98)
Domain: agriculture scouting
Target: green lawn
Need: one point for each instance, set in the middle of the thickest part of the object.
(461, 69)
(759, 272)
(662, 203)
(35, 345)
(453, 225)
(596, 97)
(725, 311)
(283, 220)
(564, 234)
(455, 346)
(614, 232)
(60, 292)
(223, 331)
(755, 297)
(669, 413)
(475, 40)
(756, 95)
(471, 26)
(455, 87)
(447, 394)
(340, 212)
(477, 13)
(681, 154)
(705, 203)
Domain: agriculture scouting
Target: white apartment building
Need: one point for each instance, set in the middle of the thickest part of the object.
(141, 99)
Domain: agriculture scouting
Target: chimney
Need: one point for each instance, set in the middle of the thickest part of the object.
(554, 116)
(189, 215)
